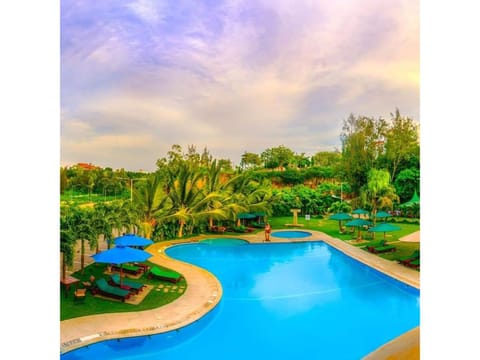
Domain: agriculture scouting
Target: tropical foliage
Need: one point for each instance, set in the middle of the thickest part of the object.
(377, 167)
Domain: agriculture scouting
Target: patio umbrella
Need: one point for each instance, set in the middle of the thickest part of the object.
(132, 240)
(358, 223)
(120, 255)
(359, 212)
(382, 215)
(340, 217)
(384, 227)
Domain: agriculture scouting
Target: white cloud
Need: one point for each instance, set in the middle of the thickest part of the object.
(147, 10)
(243, 76)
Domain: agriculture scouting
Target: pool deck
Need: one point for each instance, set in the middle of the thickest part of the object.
(204, 291)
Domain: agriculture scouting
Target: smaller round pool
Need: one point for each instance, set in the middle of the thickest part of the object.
(291, 234)
(224, 241)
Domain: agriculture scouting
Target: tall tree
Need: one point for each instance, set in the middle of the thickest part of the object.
(301, 160)
(189, 202)
(401, 142)
(250, 195)
(327, 158)
(218, 184)
(63, 180)
(205, 158)
(250, 160)
(102, 221)
(128, 216)
(152, 203)
(379, 192)
(67, 241)
(362, 142)
(83, 230)
(277, 156)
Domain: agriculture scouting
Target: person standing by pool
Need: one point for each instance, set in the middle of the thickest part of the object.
(268, 230)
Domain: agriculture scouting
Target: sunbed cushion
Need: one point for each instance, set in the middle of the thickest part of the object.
(106, 288)
(164, 273)
(132, 284)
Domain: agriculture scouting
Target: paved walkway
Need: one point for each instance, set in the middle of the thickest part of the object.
(413, 237)
(204, 291)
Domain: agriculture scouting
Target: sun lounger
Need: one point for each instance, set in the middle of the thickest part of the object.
(373, 245)
(384, 249)
(414, 264)
(126, 284)
(103, 288)
(130, 269)
(406, 259)
(164, 274)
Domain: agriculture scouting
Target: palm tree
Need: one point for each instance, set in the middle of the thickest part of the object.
(102, 223)
(152, 203)
(67, 242)
(225, 188)
(82, 229)
(189, 203)
(250, 195)
(115, 219)
(128, 215)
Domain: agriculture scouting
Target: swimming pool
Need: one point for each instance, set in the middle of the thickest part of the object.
(291, 234)
(282, 301)
(223, 241)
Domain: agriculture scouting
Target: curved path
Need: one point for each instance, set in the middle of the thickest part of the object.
(204, 291)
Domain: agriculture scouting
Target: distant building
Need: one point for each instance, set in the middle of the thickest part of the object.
(86, 166)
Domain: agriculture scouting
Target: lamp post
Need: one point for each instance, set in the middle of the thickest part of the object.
(131, 185)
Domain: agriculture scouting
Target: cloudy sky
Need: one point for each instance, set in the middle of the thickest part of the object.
(232, 76)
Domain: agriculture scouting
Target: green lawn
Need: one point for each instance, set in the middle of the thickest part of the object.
(94, 305)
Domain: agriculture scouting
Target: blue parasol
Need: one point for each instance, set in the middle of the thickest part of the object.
(120, 255)
(132, 240)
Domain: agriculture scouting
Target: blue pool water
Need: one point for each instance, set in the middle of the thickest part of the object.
(224, 241)
(291, 234)
(280, 301)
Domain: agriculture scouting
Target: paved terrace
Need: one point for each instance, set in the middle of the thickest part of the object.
(204, 291)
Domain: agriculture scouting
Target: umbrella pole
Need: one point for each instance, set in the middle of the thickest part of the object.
(121, 275)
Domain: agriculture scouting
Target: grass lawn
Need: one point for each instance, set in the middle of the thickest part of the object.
(94, 305)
